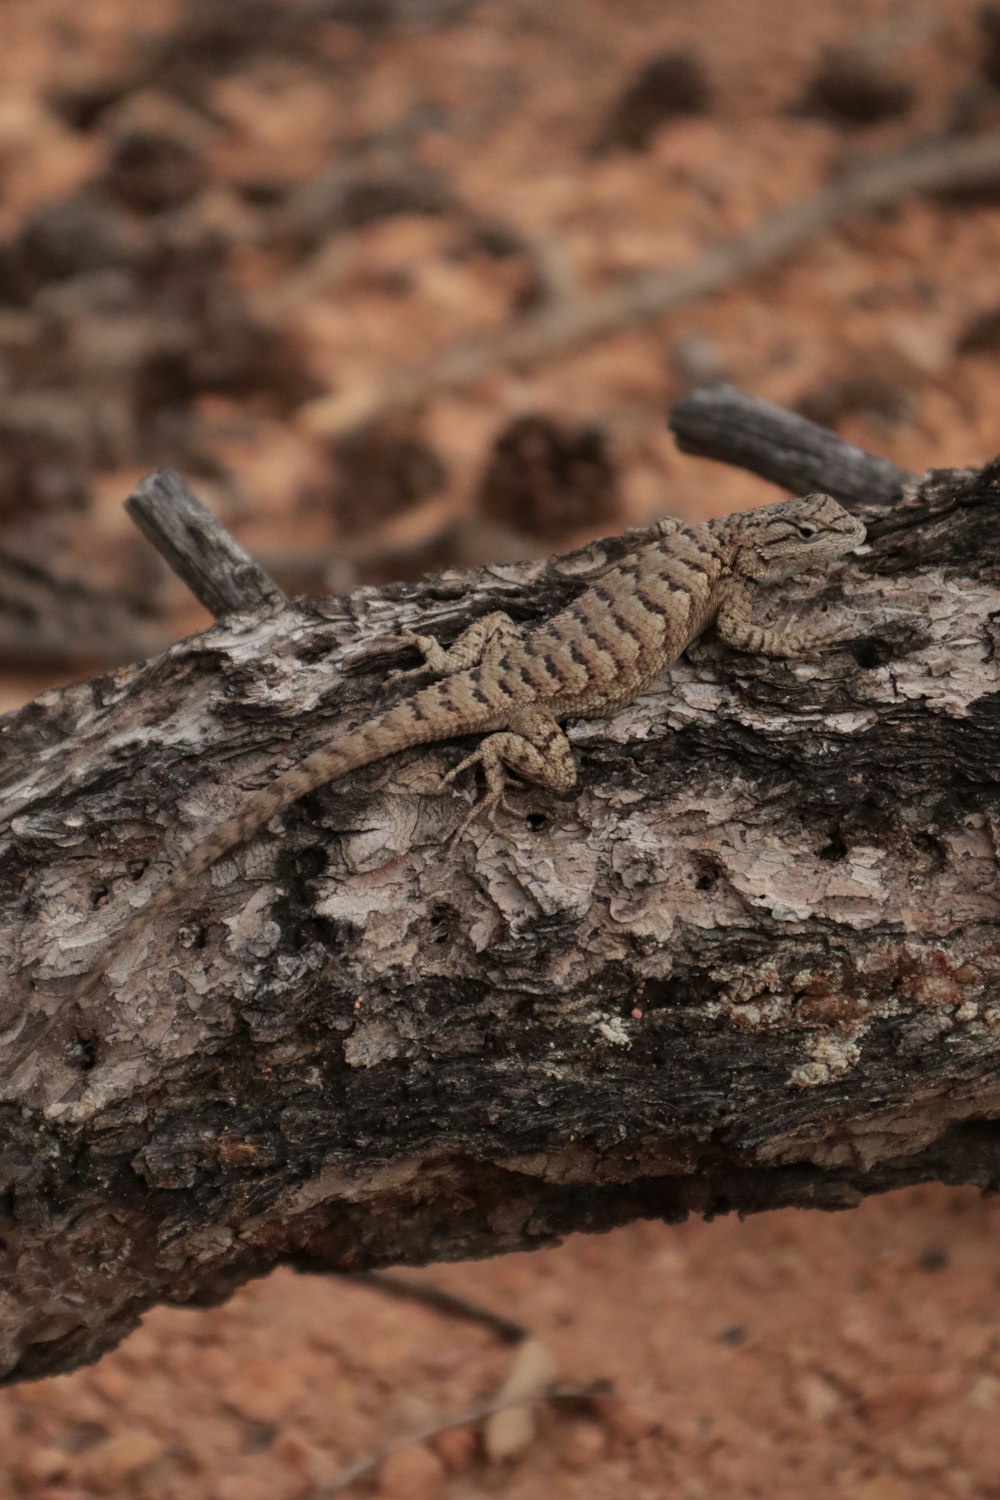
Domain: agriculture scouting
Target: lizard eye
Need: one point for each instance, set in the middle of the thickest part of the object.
(806, 529)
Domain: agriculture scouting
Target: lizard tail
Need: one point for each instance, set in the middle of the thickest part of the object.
(434, 713)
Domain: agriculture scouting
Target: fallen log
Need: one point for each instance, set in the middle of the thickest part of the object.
(752, 961)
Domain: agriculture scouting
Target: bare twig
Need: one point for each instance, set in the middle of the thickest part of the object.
(724, 423)
(458, 1419)
(557, 327)
(448, 1303)
(198, 547)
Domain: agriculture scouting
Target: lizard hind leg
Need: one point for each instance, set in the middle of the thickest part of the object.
(533, 748)
(485, 640)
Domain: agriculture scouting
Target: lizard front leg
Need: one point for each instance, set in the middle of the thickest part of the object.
(533, 747)
(734, 624)
(484, 641)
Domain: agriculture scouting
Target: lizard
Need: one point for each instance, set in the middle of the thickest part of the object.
(514, 686)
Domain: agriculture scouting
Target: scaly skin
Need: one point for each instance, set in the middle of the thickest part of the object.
(591, 658)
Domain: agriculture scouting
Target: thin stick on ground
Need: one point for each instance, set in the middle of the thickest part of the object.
(560, 326)
(441, 1301)
(459, 1419)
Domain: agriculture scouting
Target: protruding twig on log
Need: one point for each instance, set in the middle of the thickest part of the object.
(198, 547)
(724, 423)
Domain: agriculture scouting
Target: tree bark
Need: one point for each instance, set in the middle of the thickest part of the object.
(751, 961)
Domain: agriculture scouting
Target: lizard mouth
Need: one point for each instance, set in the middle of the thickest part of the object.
(824, 570)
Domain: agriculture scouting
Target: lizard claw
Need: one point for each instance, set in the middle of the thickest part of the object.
(486, 807)
(455, 838)
(456, 771)
(502, 832)
(409, 640)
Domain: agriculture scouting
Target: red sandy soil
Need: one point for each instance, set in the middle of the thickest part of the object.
(855, 1356)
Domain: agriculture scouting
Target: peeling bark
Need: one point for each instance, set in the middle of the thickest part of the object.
(752, 961)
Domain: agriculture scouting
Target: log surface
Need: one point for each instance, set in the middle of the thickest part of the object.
(752, 961)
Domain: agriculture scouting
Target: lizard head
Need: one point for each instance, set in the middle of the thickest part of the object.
(781, 540)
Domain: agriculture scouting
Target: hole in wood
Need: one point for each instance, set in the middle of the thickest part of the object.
(836, 848)
(871, 652)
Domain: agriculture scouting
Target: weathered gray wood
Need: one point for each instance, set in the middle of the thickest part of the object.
(752, 961)
(198, 547)
(721, 422)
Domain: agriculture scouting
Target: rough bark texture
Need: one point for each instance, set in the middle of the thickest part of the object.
(213, 565)
(752, 961)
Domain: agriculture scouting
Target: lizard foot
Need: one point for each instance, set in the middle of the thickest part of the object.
(435, 658)
(484, 641)
(532, 749)
(488, 806)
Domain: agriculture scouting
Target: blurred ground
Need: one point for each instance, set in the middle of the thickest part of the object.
(223, 230)
(795, 1355)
